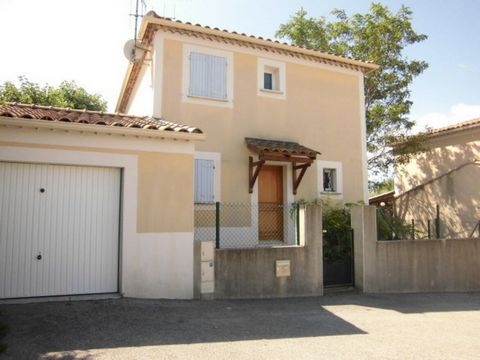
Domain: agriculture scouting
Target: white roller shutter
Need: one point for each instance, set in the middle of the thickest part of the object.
(208, 76)
(204, 181)
(59, 230)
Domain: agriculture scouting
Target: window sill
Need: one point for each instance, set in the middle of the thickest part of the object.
(208, 98)
(330, 193)
(278, 92)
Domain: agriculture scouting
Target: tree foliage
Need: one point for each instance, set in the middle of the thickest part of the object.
(379, 36)
(382, 186)
(67, 94)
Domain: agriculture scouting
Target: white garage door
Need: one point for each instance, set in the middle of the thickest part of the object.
(59, 230)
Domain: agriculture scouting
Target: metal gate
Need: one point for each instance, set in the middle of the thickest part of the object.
(338, 266)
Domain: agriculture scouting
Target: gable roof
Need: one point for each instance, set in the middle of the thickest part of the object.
(443, 131)
(286, 148)
(153, 22)
(96, 118)
(464, 125)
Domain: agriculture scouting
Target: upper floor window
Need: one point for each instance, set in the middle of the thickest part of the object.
(271, 78)
(207, 76)
(268, 81)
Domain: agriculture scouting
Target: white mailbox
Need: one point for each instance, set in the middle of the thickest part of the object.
(282, 268)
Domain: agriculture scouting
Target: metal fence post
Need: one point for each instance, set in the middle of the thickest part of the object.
(297, 205)
(217, 225)
(428, 226)
(413, 229)
(437, 223)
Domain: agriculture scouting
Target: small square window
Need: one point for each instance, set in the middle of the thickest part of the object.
(268, 81)
(329, 180)
(271, 79)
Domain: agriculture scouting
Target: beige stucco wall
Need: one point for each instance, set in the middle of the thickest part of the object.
(165, 192)
(321, 111)
(165, 187)
(456, 193)
(412, 265)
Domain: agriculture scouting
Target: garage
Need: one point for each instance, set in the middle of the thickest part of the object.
(59, 229)
(95, 203)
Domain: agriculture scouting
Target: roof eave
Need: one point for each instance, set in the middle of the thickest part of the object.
(143, 28)
(91, 128)
(438, 134)
(169, 23)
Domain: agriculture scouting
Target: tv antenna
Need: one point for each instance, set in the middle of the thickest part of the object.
(133, 49)
(137, 15)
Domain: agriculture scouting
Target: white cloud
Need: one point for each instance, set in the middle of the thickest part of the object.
(467, 67)
(456, 113)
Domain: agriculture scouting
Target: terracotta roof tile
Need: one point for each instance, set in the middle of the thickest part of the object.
(279, 146)
(458, 126)
(49, 113)
(155, 15)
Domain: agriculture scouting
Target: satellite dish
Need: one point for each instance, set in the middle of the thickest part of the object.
(134, 51)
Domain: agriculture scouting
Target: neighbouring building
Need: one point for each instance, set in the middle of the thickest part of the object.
(445, 175)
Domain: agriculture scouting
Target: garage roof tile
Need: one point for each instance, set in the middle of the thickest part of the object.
(50, 113)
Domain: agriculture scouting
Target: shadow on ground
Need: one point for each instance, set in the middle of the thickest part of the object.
(408, 303)
(40, 328)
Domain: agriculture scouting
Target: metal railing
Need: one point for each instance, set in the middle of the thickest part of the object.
(235, 226)
(390, 226)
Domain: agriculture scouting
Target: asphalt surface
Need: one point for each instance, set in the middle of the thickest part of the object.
(338, 326)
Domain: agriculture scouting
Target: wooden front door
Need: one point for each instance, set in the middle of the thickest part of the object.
(270, 203)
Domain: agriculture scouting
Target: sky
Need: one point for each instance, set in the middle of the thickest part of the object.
(53, 40)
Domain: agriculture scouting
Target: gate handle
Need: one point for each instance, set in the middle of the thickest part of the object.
(39, 256)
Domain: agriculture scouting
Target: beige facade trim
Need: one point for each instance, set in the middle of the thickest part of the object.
(86, 128)
(50, 137)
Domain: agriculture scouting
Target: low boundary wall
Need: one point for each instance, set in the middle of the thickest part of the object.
(412, 265)
(251, 273)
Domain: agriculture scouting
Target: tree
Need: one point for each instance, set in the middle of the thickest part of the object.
(382, 186)
(67, 94)
(381, 37)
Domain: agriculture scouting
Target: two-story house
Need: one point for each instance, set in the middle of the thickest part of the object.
(283, 123)
(94, 202)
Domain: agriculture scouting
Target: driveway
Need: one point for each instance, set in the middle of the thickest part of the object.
(340, 326)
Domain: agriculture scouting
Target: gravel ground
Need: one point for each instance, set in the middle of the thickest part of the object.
(337, 326)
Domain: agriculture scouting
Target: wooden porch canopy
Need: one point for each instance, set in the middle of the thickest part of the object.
(300, 156)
